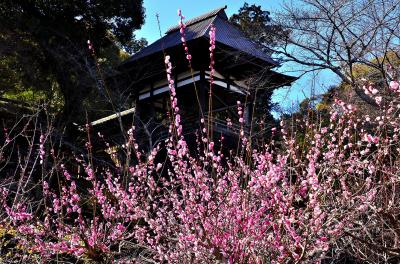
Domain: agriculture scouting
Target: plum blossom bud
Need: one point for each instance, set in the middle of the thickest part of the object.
(211, 146)
(41, 148)
(177, 120)
(394, 85)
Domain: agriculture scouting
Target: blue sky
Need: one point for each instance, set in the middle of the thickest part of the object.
(167, 11)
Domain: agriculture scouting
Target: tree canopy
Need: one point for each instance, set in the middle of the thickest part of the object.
(44, 44)
(257, 24)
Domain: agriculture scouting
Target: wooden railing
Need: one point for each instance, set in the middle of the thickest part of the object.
(191, 124)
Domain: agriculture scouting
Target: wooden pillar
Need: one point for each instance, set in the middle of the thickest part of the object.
(228, 83)
(164, 104)
(202, 92)
(151, 98)
(247, 114)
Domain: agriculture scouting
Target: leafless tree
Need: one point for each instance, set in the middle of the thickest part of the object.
(338, 35)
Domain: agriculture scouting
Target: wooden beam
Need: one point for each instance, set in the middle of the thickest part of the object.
(202, 92)
(165, 88)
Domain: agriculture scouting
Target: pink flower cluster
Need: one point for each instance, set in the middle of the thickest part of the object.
(41, 148)
(174, 101)
(212, 59)
(183, 36)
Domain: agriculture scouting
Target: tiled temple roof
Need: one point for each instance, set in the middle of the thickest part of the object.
(198, 27)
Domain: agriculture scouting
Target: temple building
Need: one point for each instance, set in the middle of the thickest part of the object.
(238, 62)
